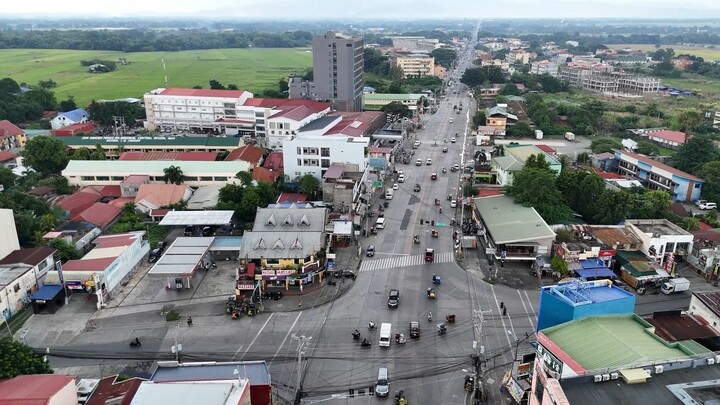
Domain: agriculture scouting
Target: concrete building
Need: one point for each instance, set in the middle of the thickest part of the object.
(658, 176)
(299, 88)
(376, 101)
(544, 67)
(338, 74)
(50, 389)
(520, 56)
(115, 146)
(414, 43)
(568, 301)
(416, 65)
(8, 233)
(217, 392)
(707, 305)
(603, 78)
(40, 260)
(11, 136)
(102, 270)
(513, 232)
(661, 240)
(97, 172)
(64, 119)
(17, 284)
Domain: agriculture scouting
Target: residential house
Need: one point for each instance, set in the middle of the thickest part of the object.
(8, 160)
(505, 167)
(17, 284)
(514, 159)
(205, 198)
(154, 196)
(78, 202)
(64, 119)
(11, 136)
(658, 176)
(207, 392)
(75, 129)
(39, 389)
(45, 192)
(40, 259)
(661, 240)
(285, 237)
(274, 162)
(99, 214)
(261, 174)
(340, 188)
(499, 118)
(250, 154)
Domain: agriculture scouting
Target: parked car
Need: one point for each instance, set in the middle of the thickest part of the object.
(453, 203)
(433, 176)
(416, 145)
(189, 230)
(416, 188)
(401, 178)
(345, 274)
(708, 206)
(154, 255)
(418, 162)
(396, 186)
(160, 245)
(428, 162)
(699, 202)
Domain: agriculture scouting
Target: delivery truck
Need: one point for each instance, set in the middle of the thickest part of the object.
(675, 285)
(569, 136)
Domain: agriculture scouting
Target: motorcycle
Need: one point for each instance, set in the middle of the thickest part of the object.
(365, 343)
(135, 343)
(371, 326)
(356, 335)
(444, 170)
(441, 329)
(416, 239)
(429, 316)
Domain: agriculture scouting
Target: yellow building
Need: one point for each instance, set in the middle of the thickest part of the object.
(416, 65)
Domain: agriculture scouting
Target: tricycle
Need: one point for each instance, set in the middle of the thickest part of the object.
(416, 239)
(373, 230)
(400, 398)
(449, 197)
(434, 233)
(441, 328)
(450, 318)
(400, 338)
(436, 279)
(429, 255)
(431, 293)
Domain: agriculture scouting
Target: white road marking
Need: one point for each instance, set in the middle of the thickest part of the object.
(286, 335)
(403, 261)
(256, 336)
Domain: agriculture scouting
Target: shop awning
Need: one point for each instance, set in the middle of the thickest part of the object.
(47, 292)
(600, 272)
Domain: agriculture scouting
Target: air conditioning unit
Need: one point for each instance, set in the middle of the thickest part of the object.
(614, 376)
(711, 361)
(658, 369)
(647, 370)
(606, 377)
(597, 378)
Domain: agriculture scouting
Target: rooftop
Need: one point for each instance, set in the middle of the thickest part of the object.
(200, 218)
(509, 222)
(99, 214)
(109, 389)
(290, 219)
(711, 299)
(250, 154)
(610, 342)
(111, 142)
(6, 156)
(656, 164)
(274, 161)
(30, 256)
(523, 152)
(292, 197)
(182, 257)
(226, 392)
(10, 273)
(508, 163)
(675, 326)
(205, 197)
(199, 92)
(265, 175)
(670, 136)
(153, 167)
(319, 123)
(191, 156)
(256, 371)
(659, 227)
(33, 389)
(578, 293)
(7, 128)
(393, 96)
(357, 123)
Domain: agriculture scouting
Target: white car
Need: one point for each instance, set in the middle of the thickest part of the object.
(428, 162)
(700, 202)
(708, 206)
(453, 203)
(401, 178)
(418, 162)
(453, 140)
(396, 186)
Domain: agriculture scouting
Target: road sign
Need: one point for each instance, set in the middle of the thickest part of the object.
(377, 184)
(439, 223)
(489, 251)
(330, 264)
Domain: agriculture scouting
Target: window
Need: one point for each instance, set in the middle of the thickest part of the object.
(299, 151)
(299, 162)
(117, 178)
(206, 178)
(297, 174)
(697, 185)
(87, 178)
(102, 178)
(221, 178)
(325, 162)
(325, 152)
(16, 287)
(191, 178)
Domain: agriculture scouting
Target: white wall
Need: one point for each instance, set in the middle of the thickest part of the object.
(66, 396)
(8, 233)
(343, 149)
(125, 263)
(699, 308)
(15, 300)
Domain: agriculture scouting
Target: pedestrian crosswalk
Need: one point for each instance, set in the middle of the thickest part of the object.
(403, 261)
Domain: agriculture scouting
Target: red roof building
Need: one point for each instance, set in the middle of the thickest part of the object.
(261, 174)
(78, 202)
(30, 256)
(547, 149)
(671, 139)
(110, 391)
(39, 389)
(99, 214)
(274, 162)
(250, 154)
(358, 123)
(7, 158)
(74, 129)
(283, 102)
(8, 129)
(292, 197)
(196, 156)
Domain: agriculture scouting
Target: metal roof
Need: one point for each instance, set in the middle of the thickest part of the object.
(185, 218)
(256, 371)
(182, 257)
(190, 392)
(509, 222)
(290, 218)
(154, 167)
(508, 163)
(612, 341)
(227, 243)
(78, 141)
(279, 244)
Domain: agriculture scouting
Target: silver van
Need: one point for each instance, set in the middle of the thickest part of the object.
(382, 389)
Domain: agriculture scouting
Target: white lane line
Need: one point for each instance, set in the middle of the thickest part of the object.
(502, 318)
(527, 313)
(286, 336)
(532, 310)
(256, 336)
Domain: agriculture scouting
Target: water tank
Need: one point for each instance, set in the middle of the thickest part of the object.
(538, 134)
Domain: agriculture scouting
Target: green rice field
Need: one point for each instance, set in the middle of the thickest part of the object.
(250, 69)
(706, 53)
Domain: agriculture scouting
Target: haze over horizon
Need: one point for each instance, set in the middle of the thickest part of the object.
(369, 9)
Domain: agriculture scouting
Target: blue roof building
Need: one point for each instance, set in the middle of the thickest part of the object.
(572, 300)
(64, 119)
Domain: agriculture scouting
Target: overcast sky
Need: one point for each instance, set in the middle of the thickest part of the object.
(348, 9)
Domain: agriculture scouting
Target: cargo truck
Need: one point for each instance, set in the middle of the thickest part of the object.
(675, 285)
(569, 136)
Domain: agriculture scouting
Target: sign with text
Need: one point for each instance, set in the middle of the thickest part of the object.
(268, 272)
(245, 286)
(284, 272)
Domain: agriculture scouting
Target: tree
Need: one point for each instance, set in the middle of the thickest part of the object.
(560, 265)
(479, 119)
(605, 145)
(612, 207)
(710, 173)
(43, 97)
(9, 89)
(68, 105)
(582, 190)
(396, 111)
(688, 121)
(535, 187)
(7, 178)
(173, 175)
(17, 358)
(232, 86)
(509, 89)
(245, 178)
(648, 148)
(216, 85)
(47, 84)
(444, 57)
(521, 129)
(65, 251)
(697, 151)
(583, 157)
(648, 204)
(309, 185)
(473, 77)
(46, 155)
(537, 162)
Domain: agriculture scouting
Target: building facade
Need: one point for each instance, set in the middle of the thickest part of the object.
(658, 176)
(338, 63)
(416, 65)
(313, 154)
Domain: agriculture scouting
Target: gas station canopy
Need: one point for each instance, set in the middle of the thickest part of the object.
(186, 218)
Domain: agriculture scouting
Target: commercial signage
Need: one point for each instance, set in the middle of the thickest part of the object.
(40, 301)
(551, 362)
(245, 286)
(58, 266)
(268, 272)
(284, 272)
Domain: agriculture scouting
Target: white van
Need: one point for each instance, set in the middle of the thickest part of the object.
(385, 332)
(389, 194)
(380, 223)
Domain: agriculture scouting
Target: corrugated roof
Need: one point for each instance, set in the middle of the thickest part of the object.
(99, 264)
(185, 218)
(6, 156)
(508, 163)
(161, 195)
(370, 97)
(7, 128)
(33, 389)
(79, 201)
(247, 153)
(261, 174)
(680, 327)
(205, 197)
(281, 244)
(670, 136)
(274, 161)
(290, 219)
(189, 156)
(292, 197)
(75, 115)
(509, 222)
(99, 214)
(711, 299)
(256, 371)
(30, 256)
(334, 172)
(612, 341)
(110, 389)
(152, 167)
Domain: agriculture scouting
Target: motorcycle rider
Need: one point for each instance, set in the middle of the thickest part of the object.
(136, 342)
(356, 334)
(429, 316)
(371, 325)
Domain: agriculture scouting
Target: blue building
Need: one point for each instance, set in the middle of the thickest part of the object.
(572, 300)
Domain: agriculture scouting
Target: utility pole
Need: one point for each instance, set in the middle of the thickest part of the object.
(303, 343)
(478, 321)
(177, 347)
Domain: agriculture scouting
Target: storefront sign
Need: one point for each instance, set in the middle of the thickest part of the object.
(58, 266)
(551, 362)
(268, 272)
(515, 390)
(245, 286)
(40, 301)
(607, 254)
(284, 272)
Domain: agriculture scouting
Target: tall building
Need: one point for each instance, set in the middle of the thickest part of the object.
(338, 70)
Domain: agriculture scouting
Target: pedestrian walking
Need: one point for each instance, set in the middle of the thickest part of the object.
(299, 304)
(189, 321)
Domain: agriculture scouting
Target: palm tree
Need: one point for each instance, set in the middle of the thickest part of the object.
(565, 162)
(498, 150)
(245, 178)
(173, 175)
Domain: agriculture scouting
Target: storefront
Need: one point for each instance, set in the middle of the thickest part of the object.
(48, 299)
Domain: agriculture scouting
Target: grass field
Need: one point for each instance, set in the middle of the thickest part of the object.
(705, 53)
(251, 69)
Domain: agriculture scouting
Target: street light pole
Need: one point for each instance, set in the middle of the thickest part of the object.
(303, 342)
